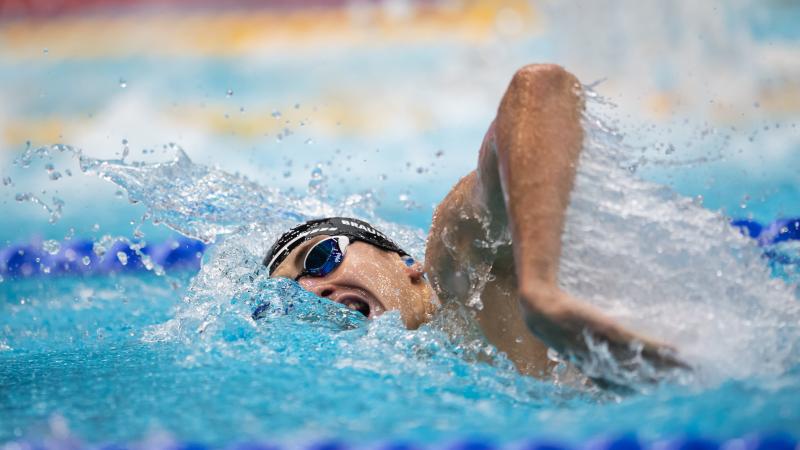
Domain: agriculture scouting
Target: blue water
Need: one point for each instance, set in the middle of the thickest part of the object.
(176, 355)
(129, 358)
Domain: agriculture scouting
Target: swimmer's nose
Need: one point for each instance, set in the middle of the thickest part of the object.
(319, 289)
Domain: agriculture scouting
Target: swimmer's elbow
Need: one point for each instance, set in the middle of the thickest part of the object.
(542, 79)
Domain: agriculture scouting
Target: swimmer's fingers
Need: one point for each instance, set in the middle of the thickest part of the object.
(636, 350)
(575, 328)
(663, 356)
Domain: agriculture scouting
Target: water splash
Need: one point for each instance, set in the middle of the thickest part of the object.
(661, 264)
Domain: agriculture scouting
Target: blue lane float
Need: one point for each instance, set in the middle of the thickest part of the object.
(80, 256)
(778, 231)
(83, 257)
(626, 442)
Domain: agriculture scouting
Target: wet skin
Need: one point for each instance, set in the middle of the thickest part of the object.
(369, 280)
(520, 189)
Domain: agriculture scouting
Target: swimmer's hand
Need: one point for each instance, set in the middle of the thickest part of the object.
(563, 323)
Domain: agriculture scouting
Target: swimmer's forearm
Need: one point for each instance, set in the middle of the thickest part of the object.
(530, 156)
(536, 139)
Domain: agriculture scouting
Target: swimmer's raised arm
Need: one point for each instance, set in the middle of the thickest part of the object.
(522, 185)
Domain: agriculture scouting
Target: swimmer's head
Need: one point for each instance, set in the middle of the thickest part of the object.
(350, 262)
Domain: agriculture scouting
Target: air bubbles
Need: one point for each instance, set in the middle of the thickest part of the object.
(123, 258)
(123, 83)
(276, 114)
(86, 260)
(229, 93)
(7, 181)
(439, 153)
(309, 141)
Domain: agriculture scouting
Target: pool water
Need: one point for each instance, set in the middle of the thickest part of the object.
(127, 349)
(127, 358)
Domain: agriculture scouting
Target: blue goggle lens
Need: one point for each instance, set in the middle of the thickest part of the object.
(323, 258)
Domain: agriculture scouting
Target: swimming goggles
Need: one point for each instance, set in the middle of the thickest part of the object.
(324, 257)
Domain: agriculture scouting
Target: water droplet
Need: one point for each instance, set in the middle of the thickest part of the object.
(122, 83)
(51, 246)
(309, 141)
(276, 114)
(229, 93)
(475, 302)
(123, 258)
(86, 260)
(382, 177)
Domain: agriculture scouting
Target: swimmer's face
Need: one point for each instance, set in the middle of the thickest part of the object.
(369, 280)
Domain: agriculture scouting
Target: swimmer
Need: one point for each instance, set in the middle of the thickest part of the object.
(520, 189)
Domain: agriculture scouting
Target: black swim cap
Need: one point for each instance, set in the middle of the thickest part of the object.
(355, 229)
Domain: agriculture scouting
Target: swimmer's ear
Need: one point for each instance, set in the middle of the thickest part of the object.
(413, 269)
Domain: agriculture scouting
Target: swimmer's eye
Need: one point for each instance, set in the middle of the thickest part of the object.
(324, 257)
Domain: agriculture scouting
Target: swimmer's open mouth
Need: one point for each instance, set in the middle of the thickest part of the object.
(368, 307)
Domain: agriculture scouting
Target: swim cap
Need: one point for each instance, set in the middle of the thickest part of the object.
(355, 229)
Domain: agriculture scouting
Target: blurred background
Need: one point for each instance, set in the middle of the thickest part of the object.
(386, 95)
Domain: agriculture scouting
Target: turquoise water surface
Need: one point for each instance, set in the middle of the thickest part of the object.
(157, 355)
